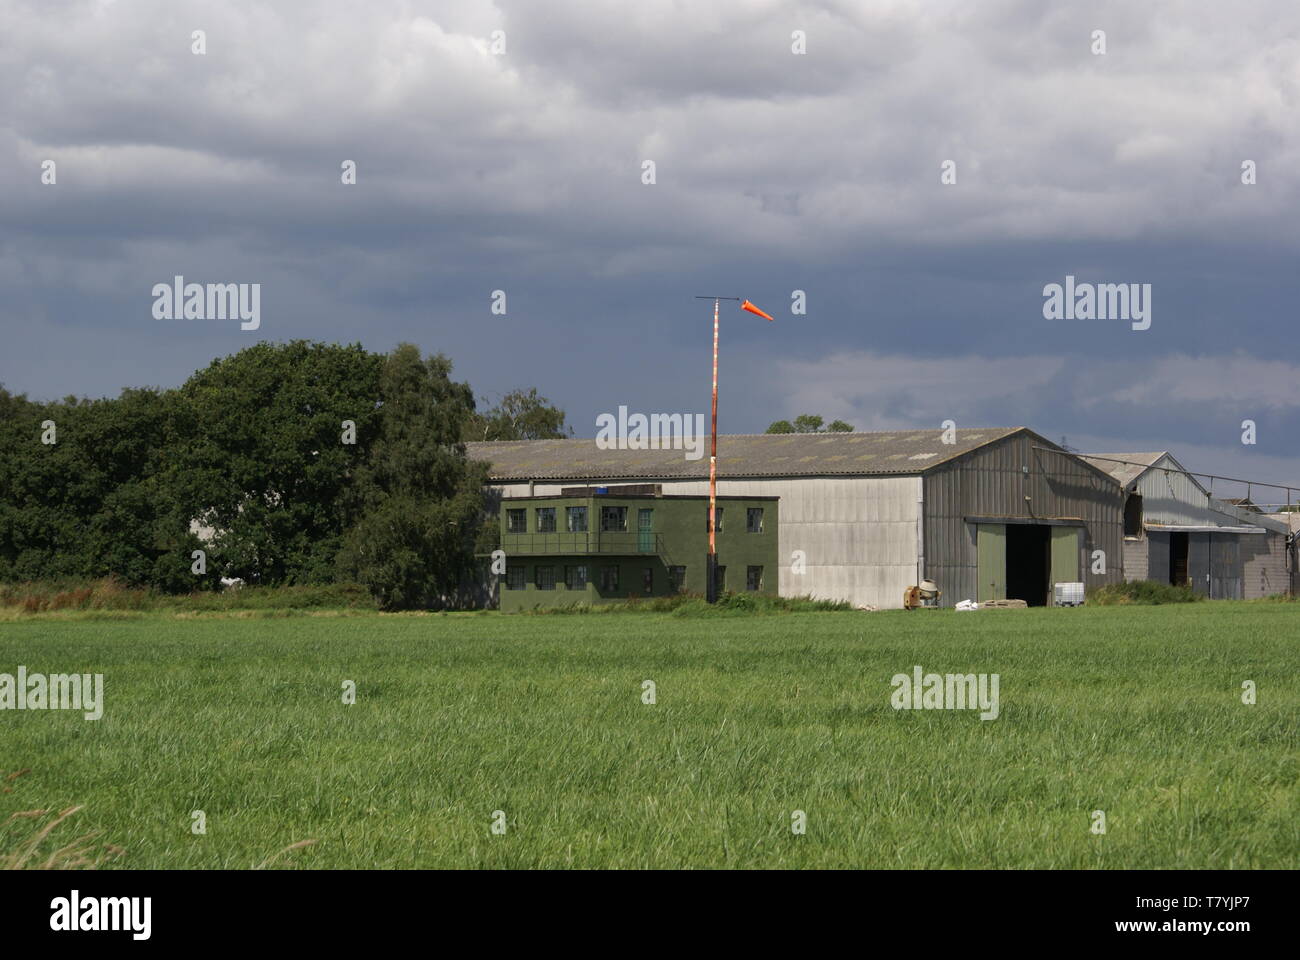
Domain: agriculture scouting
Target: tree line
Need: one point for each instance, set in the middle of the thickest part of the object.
(291, 463)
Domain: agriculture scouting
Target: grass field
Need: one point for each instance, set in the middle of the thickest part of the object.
(1134, 711)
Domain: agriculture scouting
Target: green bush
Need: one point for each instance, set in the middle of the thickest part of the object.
(1144, 593)
(113, 594)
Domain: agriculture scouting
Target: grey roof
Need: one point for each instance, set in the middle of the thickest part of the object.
(1134, 466)
(739, 455)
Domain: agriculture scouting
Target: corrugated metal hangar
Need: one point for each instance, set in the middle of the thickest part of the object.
(986, 513)
(1176, 532)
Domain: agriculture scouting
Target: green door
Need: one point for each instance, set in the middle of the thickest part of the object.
(645, 519)
(991, 561)
(1065, 555)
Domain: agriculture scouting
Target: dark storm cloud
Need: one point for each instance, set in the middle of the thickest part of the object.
(775, 172)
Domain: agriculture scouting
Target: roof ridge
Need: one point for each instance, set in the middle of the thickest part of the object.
(824, 434)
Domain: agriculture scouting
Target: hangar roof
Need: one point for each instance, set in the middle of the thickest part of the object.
(889, 452)
(1134, 465)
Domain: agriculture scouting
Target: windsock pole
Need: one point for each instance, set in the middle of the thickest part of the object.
(711, 562)
(711, 567)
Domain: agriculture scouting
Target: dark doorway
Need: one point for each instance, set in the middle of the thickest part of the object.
(1178, 559)
(1133, 515)
(1029, 562)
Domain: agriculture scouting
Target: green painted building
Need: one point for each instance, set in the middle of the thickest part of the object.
(589, 546)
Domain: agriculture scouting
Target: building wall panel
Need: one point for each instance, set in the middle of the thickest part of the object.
(1264, 566)
(994, 481)
(857, 535)
(1137, 563)
(1157, 550)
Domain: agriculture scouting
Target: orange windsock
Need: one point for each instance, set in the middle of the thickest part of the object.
(753, 309)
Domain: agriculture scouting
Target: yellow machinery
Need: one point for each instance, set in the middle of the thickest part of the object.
(924, 596)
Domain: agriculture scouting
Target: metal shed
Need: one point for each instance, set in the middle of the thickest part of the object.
(985, 512)
(1176, 532)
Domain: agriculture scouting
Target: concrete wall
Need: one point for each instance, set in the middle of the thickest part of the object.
(1137, 558)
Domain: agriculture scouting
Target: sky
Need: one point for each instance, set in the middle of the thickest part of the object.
(504, 147)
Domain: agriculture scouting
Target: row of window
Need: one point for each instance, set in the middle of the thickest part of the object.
(575, 578)
(612, 519)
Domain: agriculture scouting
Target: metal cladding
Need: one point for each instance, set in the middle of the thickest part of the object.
(1232, 551)
(863, 516)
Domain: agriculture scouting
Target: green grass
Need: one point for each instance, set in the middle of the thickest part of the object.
(1135, 711)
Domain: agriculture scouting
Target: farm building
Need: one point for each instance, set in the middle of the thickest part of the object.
(1176, 532)
(596, 545)
(985, 513)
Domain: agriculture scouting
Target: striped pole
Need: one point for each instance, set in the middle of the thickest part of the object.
(711, 564)
(711, 590)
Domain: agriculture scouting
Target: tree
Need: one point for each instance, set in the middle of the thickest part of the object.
(418, 500)
(93, 503)
(521, 415)
(809, 423)
(262, 455)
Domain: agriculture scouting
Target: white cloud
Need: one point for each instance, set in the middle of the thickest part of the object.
(1249, 384)
(879, 392)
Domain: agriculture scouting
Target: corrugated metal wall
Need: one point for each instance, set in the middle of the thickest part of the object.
(1220, 565)
(1264, 567)
(1225, 565)
(1157, 552)
(991, 482)
(1174, 498)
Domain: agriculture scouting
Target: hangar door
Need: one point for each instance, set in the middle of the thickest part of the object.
(1065, 555)
(991, 561)
(1025, 559)
(1217, 565)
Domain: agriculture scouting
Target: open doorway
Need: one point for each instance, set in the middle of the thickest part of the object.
(1029, 562)
(1178, 559)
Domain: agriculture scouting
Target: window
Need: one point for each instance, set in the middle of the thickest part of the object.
(514, 578)
(516, 521)
(575, 578)
(648, 581)
(720, 579)
(677, 578)
(613, 518)
(609, 579)
(545, 519)
(717, 521)
(754, 520)
(545, 578)
(577, 519)
(753, 578)
(1133, 515)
